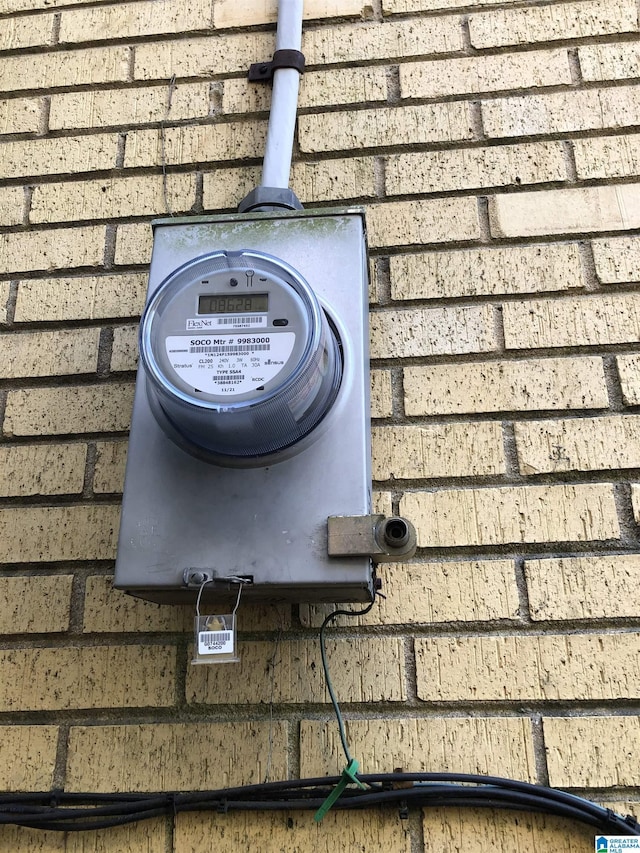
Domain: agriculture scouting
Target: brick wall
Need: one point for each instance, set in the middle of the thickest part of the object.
(496, 146)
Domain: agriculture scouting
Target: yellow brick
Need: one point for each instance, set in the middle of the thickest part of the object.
(364, 670)
(148, 835)
(109, 610)
(579, 444)
(511, 514)
(399, 6)
(49, 353)
(384, 126)
(327, 180)
(88, 677)
(35, 604)
(635, 501)
(432, 331)
(5, 291)
(427, 593)
(498, 746)
(112, 198)
(476, 74)
(200, 57)
(72, 409)
(242, 13)
(548, 23)
(381, 503)
(133, 244)
(442, 450)
(381, 402)
(65, 68)
(30, 31)
(153, 17)
(124, 354)
(11, 205)
(20, 115)
(56, 156)
(27, 757)
(561, 112)
(563, 667)
(29, 5)
(403, 223)
(486, 830)
(106, 108)
(615, 208)
(629, 370)
(38, 534)
(576, 757)
(111, 457)
(471, 272)
(295, 832)
(55, 248)
(498, 386)
(504, 165)
(572, 322)
(164, 757)
(81, 298)
(609, 61)
(317, 89)
(584, 587)
(197, 144)
(42, 469)
(112, 611)
(608, 157)
(617, 259)
(358, 42)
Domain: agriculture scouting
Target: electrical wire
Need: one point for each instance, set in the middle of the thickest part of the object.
(327, 677)
(69, 812)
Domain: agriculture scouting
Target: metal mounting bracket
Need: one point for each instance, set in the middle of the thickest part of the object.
(384, 539)
(262, 72)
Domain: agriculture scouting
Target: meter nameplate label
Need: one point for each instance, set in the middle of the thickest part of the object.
(229, 364)
(226, 323)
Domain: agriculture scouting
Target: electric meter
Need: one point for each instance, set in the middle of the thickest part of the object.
(241, 359)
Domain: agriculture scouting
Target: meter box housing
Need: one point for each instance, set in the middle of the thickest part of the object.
(250, 423)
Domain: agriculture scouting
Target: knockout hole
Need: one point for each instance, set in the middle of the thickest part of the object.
(396, 532)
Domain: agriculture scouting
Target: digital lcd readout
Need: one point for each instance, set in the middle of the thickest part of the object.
(254, 303)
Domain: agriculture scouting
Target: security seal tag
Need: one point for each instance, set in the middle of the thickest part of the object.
(215, 639)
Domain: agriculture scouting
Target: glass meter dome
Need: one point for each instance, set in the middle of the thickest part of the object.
(241, 361)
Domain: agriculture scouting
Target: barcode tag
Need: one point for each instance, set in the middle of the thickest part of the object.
(215, 639)
(215, 642)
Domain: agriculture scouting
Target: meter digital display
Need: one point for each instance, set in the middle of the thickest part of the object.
(218, 303)
(252, 372)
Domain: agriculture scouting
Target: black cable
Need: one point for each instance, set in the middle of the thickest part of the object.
(62, 812)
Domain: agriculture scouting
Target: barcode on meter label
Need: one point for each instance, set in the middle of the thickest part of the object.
(215, 642)
(235, 322)
(228, 350)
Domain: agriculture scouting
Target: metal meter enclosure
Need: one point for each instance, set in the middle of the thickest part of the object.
(250, 424)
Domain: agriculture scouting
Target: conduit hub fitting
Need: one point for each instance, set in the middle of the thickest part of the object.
(241, 360)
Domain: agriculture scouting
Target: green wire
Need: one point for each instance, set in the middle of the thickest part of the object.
(325, 667)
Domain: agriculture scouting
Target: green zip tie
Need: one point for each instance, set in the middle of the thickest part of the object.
(349, 777)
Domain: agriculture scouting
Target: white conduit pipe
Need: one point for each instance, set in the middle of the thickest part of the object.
(284, 99)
